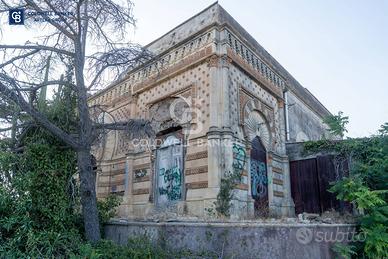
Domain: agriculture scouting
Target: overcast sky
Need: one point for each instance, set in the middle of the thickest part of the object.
(336, 49)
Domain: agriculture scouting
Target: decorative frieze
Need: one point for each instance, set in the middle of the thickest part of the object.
(196, 156)
(278, 194)
(141, 191)
(253, 60)
(277, 170)
(141, 179)
(197, 170)
(111, 183)
(172, 57)
(277, 181)
(197, 185)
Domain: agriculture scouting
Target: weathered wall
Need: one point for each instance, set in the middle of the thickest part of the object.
(235, 89)
(238, 240)
(304, 124)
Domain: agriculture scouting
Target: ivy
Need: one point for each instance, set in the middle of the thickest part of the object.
(366, 187)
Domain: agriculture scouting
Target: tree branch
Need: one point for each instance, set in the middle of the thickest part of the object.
(38, 117)
(19, 57)
(38, 47)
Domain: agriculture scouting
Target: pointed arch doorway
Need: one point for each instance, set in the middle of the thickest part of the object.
(259, 178)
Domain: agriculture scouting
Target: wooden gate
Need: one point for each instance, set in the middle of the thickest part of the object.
(310, 181)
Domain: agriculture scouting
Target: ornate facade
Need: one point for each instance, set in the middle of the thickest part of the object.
(219, 104)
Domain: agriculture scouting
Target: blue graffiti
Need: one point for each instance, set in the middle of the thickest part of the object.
(239, 156)
(173, 182)
(259, 180)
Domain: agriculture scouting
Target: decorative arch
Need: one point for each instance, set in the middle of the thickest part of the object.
(255, 125)
(252, 122)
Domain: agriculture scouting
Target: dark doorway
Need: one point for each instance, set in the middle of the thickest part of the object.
(259, 178)
(310, 181)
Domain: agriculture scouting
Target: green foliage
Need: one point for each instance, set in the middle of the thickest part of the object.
(353, 190)
(107, 207)
(37, 212)
(38, 195)
(39, 198)
(345, 251)
(228, 182)
(384, 129)
(337, 124)
(225, 195)
(366, 187)
(136, 248)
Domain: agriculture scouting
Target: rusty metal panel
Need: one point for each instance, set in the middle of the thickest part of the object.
(305, 186)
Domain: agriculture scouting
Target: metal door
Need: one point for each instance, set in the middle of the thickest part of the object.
(259, 178)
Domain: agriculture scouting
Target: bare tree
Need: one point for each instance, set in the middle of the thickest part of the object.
(90, 39)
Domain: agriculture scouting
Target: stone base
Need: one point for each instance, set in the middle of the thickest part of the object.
(238, 240)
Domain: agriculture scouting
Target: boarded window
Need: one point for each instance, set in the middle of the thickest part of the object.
(169, 171)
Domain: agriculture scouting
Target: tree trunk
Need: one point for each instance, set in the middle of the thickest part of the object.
(88, 196)
(87, 177)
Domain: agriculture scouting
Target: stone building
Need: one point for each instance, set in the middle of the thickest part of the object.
(220, 103)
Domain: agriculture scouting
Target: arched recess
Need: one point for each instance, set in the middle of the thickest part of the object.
(258, 120)
(258, 134)
(255, 125)
(167, 113)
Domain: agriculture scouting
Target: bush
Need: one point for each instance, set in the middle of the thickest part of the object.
(366, 187)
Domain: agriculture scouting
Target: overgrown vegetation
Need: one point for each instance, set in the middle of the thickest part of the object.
(366, 188)
(136, 248)
(337, 124)
(40, 214)
(225, 195)
(229, 182)
(39, 204)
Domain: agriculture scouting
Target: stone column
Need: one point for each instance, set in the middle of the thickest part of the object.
(220, 136)
(288, 206)
(215, 158)
(127, 209)
(288, 203)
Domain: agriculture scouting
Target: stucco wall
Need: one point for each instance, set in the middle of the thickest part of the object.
(238, 240)
(304, 124)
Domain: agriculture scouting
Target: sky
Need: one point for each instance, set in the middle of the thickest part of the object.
(336, 49)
